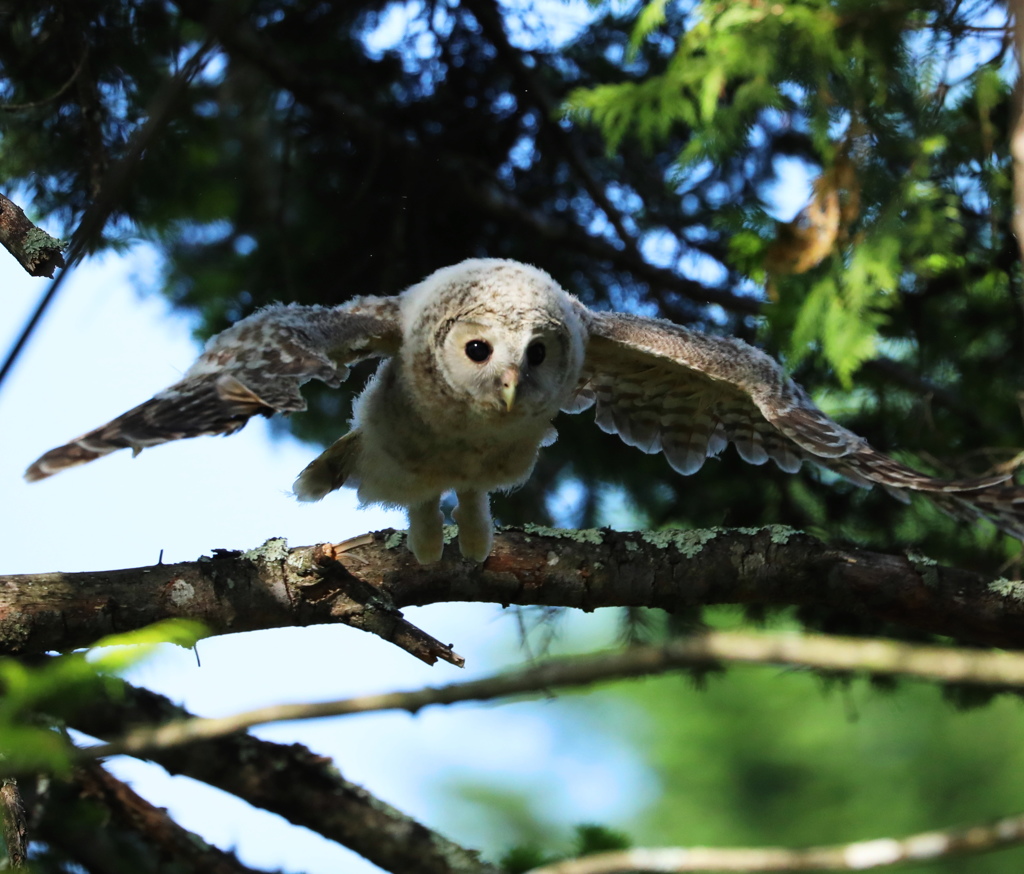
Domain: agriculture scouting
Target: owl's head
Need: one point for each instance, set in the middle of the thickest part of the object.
(500, 337)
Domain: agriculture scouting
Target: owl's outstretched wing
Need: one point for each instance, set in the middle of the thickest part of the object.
(254, 367)
(664, 388)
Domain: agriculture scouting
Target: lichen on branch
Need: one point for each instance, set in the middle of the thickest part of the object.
(35, 250)
(366, 583)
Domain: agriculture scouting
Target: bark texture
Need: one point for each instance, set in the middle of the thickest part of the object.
(35, 250)
(293, 782)
(366, 586)
(100, 822)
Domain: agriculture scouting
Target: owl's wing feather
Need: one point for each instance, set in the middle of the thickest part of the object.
(254, 367)
(664, 388)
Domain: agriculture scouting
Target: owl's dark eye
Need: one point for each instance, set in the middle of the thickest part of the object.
(478, 351)
(536, 353)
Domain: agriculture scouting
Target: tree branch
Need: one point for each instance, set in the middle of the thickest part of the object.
(304, 788)
(533, 88)
(33, 248)
(37, 104)
(860, 856)
(275, 587)
(15, 826)
(821, 652)
(268, 587)
(135, 835)
(116, 180)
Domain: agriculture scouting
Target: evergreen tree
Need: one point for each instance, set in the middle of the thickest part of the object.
(295, 150)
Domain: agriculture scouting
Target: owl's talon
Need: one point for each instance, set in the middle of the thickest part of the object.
(476, 530)
(425, 538)
(475, 550)
(480, 357)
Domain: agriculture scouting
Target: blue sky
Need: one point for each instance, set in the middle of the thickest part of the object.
(109, 343)
(106, 346)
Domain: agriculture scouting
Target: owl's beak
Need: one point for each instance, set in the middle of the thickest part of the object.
(509, 384)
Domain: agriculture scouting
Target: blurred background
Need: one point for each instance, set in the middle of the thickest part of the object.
(829, 180)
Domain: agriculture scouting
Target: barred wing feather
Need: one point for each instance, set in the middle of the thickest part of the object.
(255, 367)
(664, 388)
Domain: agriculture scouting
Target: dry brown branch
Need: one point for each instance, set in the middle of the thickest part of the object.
(275, 587)
(33, 248)
(821, 652)
(268, 587)
(860, 856)
(301, 786)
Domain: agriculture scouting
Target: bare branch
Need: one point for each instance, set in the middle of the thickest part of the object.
(275, 587)
(822, 652)
(860, 856)
(15, 826)
(33, 248)
(367, 607)
(301, 786)
(134, 832)
(37, 104)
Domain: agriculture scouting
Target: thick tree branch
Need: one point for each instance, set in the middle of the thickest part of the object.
(821, 652)
(135, 835)
(304, 788)
(15, 826)
(274, 587)
(860, 856)
(33, 248)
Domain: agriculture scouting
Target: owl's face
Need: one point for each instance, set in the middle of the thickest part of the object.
(510, 372)
(507, 343)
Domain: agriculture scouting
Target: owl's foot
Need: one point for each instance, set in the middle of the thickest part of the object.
(476, 530)
(426, 531)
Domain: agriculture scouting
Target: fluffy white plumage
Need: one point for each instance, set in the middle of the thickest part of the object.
(479, 358)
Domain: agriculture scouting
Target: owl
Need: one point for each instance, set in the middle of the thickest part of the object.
(478, 359)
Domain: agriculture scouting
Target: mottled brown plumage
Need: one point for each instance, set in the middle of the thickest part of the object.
(480, 357)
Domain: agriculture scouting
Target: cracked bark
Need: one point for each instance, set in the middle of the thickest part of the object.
(366, 585)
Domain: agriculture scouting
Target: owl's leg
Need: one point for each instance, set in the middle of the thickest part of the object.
(476, 530)
(426, 531)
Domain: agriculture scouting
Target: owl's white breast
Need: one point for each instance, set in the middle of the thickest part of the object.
(412, 452)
